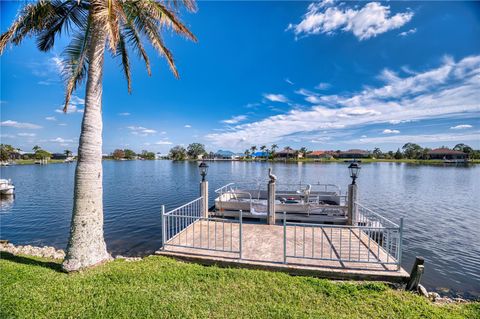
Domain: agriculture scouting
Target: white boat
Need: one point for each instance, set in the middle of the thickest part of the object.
(6, 187)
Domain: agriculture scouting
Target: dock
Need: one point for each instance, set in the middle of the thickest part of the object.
(315, 238)
(335, 252)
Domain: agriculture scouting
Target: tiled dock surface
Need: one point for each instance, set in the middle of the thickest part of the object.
(263, 247)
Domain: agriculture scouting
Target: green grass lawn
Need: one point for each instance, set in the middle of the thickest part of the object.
(159, 287)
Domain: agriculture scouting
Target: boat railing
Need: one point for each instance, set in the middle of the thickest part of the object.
(187, 227)
(315, 187)
(369, 243)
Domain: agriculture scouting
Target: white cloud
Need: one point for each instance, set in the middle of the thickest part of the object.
(450, 90)
(187, 126)
(461, 127)
(288, 81)
(62, 124)
(140, 130)
(163, 143)
(407, 33)
(61, 140)
(73, 107)
(16, 124)
(275, 97)
(422, 138)
(27, 134)
(323, 86)
(124, 114)
(235, 119)
(389, 131)
(369, 21)
(51, 118)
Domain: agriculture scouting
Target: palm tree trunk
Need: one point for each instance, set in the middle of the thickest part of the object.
(86, 245)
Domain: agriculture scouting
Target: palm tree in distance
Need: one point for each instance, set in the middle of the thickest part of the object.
(253, 149)
(94, 26)
(288, 149)
(36, 148)
(274, 148)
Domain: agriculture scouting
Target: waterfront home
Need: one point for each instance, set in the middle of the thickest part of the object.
(260, 155)
(354, 153)
(225, 155)
(447, 155)
(59, 156)
(288, 153)
(320, 155)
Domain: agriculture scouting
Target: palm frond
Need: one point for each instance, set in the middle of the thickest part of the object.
(190, 5)
(133, 39)
(31, 20)
(122, 51)
(66, 13)
(152, 32)
(75, 62)
(164, 16)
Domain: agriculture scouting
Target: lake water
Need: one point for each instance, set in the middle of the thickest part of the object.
(440, 204)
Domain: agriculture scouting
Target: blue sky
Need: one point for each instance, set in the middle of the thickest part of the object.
(327, 75)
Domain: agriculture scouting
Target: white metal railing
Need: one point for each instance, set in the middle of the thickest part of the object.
(373, 241)
(187, 227)
(363, 216)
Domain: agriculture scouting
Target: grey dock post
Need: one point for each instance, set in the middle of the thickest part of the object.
(352, 198)
(204, 195)
(416, 274)
(164, 231)
(271, 198)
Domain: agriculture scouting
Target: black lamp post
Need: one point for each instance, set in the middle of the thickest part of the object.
(203, 170)
(354, 169)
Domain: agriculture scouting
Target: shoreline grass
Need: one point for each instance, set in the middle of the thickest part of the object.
(160, 287)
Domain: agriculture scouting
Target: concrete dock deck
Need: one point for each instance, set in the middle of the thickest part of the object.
(217, 243)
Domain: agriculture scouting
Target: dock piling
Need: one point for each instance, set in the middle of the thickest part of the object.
(271, 198)
(204, 195)
(416, 274)
(352, 198)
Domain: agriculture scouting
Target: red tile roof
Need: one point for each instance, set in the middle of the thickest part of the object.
(444, 151)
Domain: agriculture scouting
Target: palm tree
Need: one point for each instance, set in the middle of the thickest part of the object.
(67, 153)
(303, 151)
(36, 148)
(274, 148)
(94, 26)
(247, 153)
(288, 149)
(253, 149)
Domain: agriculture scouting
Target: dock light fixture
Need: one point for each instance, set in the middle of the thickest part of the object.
(354, 169)
(203, 167)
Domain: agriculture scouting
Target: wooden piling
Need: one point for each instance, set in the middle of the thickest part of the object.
(416, 274)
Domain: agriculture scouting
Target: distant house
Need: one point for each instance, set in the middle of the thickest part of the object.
(354, 154)
(225, 155)
(288, 154)
(260, 155)
(59, 156)
(320, 154)
(447, 155)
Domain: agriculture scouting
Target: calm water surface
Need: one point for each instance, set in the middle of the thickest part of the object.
(440, 204)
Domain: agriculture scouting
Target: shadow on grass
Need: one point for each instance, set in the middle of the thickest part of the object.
(30, 261)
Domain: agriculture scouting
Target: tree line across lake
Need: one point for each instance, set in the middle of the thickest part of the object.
(408, 151)
(197, 150)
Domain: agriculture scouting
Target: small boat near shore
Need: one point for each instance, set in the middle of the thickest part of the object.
(6, 187)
